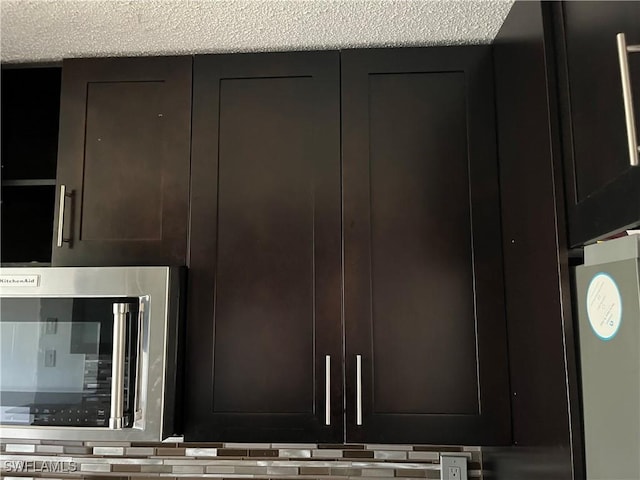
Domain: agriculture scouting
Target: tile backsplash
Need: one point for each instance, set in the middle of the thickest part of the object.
(275, 461)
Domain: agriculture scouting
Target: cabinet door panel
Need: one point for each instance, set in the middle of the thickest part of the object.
(124, 155)
(264, 271)
(121, 198)
(603, 189)
(423, 273)
(265, 283)
(417, 270)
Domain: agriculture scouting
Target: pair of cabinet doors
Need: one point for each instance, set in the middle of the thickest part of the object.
(345, 264)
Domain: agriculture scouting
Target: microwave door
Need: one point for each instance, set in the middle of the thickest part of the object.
(69, 361)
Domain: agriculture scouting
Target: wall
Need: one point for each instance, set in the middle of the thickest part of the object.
(126, 460)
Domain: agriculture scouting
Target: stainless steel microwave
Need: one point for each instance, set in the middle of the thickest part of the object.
(89, 353)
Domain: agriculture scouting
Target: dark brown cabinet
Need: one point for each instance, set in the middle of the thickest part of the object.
(343, 224)
(123, 162)
(424, 310)
(265, 250)
(603, 187)
(418, 237)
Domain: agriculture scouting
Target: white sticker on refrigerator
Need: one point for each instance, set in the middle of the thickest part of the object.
(604, 306)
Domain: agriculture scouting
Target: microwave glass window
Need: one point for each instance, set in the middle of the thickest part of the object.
(56, 360)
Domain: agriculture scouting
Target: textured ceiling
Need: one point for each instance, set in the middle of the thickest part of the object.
(46, 30)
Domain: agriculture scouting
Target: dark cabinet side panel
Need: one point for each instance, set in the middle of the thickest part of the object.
(423, 268)
(542, 362)
(265, 250)
(124, 158)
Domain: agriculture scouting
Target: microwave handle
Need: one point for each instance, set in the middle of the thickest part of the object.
(120, 312)
(138, 384)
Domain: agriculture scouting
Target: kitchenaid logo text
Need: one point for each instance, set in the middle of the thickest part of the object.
(39, 467)
(19, 280)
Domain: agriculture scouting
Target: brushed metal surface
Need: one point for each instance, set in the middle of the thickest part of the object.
(61, 200)
(627, 96)
(327, 390)
(120, 312)
(358, 389)
(151, 286)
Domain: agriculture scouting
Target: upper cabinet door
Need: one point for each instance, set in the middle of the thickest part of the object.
(426, 358)
(123, 162)
(603, 188)
(264, 340)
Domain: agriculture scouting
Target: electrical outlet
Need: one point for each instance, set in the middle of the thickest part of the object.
(453, 467)
(51, 326)
(50, 357)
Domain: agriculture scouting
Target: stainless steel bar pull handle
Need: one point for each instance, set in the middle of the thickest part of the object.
(358, 389)
(627, 96)
(61, 203)
(327, 390)
(138, 391)
(116, 418)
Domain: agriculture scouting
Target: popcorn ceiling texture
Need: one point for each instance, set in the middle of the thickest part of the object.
(49, 30)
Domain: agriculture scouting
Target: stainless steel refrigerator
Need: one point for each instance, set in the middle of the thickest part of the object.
(608, 305)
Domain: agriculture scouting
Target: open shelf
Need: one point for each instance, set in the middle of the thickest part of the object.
(35, 182)
(27, 223)
(30, 111)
